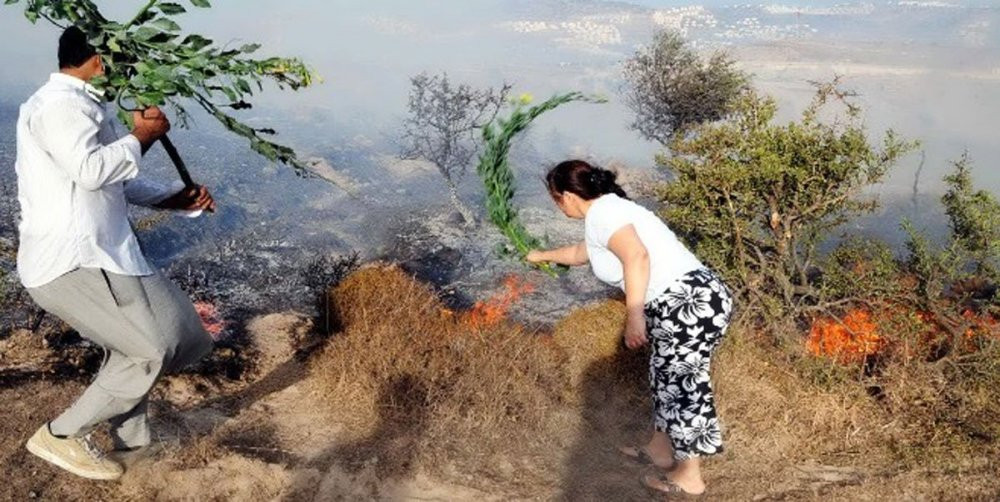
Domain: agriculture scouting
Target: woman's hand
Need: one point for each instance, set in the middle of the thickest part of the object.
(535, 256)
(568, 255)
(635, 331)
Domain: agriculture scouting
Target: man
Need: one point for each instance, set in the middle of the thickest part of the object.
(79, 258)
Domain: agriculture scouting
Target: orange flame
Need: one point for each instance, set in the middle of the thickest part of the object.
(848, 340)
(211, 320)
(494, 310)
(982, 325)
(856, 336)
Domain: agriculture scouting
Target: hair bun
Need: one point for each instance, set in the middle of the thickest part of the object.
(583, 179)
(604, 178)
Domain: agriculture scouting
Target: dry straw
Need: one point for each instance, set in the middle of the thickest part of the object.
(404, 371)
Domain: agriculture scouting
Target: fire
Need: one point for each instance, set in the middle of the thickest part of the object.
(981, 325)
(856, 336)
(210, 318)
(848, 340)
(491, 312)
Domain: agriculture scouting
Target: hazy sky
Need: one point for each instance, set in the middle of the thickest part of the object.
(930, 69)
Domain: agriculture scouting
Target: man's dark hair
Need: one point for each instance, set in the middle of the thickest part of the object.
(74, 50)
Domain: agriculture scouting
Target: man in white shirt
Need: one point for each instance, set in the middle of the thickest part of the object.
(79, 258)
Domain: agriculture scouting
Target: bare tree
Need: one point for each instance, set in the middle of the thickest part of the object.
(670, 87)
(441, 128)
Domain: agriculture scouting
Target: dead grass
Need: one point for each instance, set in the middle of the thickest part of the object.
(407, 389)
(481, 398)
(416, 384)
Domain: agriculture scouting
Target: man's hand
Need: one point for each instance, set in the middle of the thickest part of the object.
(190, 199)
(635, 332)
(150, 125)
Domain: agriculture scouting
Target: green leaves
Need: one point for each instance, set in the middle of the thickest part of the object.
(171, 9)
(196, 42)
(201, 3)
(974, 219)
(166, 25)
(496, 173)
(146, 33)
(755, 198)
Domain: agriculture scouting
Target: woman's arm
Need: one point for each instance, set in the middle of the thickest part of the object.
(568, 255)
(627, 246)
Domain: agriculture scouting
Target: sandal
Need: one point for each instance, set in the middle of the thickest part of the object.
(661, 484)
(641, 456)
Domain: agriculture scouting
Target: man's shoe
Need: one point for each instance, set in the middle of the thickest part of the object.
(76, 455)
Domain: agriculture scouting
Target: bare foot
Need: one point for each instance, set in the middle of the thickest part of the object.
(645, 455)
(684, 488)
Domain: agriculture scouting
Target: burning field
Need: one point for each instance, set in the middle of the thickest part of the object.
(408, 399)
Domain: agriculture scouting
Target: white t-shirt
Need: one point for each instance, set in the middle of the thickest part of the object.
(669, 259)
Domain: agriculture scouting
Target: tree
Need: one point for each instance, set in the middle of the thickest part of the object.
(149, 63)
(755, 198)
(671, 88)
(442, 125)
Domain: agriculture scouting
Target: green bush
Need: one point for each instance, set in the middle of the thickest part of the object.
(755, 198)
(974, 218)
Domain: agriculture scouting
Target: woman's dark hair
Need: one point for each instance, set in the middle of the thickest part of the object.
(583, 179)
(74, 50)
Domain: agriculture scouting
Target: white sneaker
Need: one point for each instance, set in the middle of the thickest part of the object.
(76, 455)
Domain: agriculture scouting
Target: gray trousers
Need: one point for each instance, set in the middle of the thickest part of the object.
(147, 327)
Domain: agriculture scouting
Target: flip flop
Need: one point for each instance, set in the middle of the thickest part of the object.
(661, 484)
(640, 457)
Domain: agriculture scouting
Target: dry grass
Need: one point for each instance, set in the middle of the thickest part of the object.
(408, 378)
(408, 389)
(417, 385)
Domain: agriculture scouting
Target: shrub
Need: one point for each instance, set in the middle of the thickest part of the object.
(755, 199)
(671, 88)
(974, 218)
(933, 325)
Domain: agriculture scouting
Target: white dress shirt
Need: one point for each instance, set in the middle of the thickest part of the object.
(74, 180)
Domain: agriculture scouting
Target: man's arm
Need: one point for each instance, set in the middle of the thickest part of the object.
(150, 125)
(147, 193)
(70, 136)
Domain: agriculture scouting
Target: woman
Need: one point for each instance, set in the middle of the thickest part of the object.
(674, 302)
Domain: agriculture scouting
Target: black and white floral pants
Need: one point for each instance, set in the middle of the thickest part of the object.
(685, 325)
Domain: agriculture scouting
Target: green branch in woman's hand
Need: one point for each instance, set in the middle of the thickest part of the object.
(498, 177)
